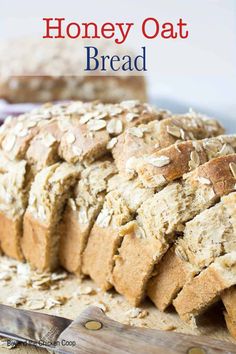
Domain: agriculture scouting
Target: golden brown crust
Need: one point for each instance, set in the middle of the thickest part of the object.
(36, 244)
(99, 265)
(206, 288)
(177, 158)
(74, 237)
(231, 325)
(10, 236)
(135, 258)
(152, 137)
(171, 163)
(229, 300)
(172, 274)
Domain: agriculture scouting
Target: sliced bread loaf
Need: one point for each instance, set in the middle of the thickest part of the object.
(48, 195)
(212, 235)
(147, 238)
(206, 288)
(216, 174)
(81, 212)
(174, 170)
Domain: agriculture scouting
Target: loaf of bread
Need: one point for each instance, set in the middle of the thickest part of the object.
(54, 73)
(136, 198)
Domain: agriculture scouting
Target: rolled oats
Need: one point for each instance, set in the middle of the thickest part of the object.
(159, 161)
(115, 126)
(112, 143)
(95, 125)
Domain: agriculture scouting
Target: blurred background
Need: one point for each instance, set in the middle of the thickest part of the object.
(199, 72)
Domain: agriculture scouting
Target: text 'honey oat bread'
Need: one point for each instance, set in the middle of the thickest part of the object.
(154, 136)
(13, 201)
(161, 167)
(119, 207)
(199, 190)
(206, 288)
(229, 299)
(210, 235)
(162, 216)
(48, 195)
(52, 74)
(73, 131)
(81, 212)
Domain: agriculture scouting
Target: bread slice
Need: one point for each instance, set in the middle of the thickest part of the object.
(206, 288)
(119, 207)
(169, 277)
(229, 299)
(231, 325)
(162, 167)
(208, 237)
(82, 211)
(157, 135)
(160, 217)
(13, 200)
(48, 195)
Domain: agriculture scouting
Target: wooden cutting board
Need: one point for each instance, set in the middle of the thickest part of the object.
(211, 324)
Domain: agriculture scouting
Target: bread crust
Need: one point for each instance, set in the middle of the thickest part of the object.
(206, 288)
(156, 136)
(10, 236)
(99, 264)
(229, 300)
(172, 274)
(231, 325)
(73, 241)
(36, 244)
(137, 256)
(180, 159)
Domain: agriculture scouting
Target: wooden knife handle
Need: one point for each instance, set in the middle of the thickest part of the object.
(93, 332)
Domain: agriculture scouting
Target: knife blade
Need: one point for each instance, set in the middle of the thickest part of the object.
(93, 332)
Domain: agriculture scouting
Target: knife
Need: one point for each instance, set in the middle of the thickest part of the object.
(93, 332)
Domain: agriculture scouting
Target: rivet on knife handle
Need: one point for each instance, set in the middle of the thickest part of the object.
(93, 325)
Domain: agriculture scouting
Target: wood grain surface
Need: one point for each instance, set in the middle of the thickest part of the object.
(211, 324)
